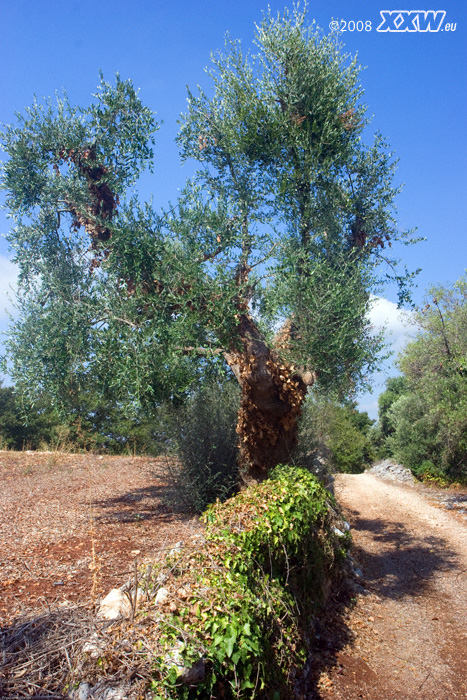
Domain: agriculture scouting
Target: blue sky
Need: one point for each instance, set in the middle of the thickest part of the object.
(415, 86)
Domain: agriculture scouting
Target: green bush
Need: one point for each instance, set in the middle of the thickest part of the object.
(19, 430)
(202, 434)
(430, 439)
(423, 414)
(333, 436)
(350, 449)
(414, 435)
(429, 472)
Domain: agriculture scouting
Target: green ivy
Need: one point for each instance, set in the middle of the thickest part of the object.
(253, 591)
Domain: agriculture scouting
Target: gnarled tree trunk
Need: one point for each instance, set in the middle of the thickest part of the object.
(271, 400)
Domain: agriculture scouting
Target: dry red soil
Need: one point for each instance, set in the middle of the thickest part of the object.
(70, 522)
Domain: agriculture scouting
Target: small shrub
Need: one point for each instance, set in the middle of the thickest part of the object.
(350, 449)
(202, 434)
(430, 474)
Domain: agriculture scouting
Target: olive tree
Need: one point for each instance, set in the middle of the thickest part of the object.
(265, 264)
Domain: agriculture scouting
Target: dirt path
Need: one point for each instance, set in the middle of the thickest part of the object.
(406, 637)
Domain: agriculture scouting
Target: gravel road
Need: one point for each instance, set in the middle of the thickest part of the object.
(407, 636)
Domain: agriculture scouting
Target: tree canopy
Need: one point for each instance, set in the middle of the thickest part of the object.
(265, 263)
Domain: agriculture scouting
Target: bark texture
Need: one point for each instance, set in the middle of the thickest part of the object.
(271, 400)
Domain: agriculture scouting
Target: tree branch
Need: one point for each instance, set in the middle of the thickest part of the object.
(445, 340)
(201, 351)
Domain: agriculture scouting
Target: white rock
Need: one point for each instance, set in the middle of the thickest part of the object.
(84, 691)
(387, 469)
(118, 693)
(81, 693)
(114, 605)
(176, 549)
(174, 656)
(189, 675)
(162, 596)
(338, 532)
(94, 647)
(106, 692)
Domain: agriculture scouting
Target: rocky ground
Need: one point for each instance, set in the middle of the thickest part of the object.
(387, 469)
(74, 525)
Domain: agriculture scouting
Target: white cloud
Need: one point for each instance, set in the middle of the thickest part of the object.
(399, 324)
(369, 404)
(8, 281)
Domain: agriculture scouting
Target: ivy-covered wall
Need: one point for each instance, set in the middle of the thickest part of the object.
(251, 593)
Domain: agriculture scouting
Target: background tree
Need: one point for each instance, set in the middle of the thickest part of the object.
(286, 223)
(43, 425)
(333, 437)
(426, 425)
(94, 422)
(395, 388)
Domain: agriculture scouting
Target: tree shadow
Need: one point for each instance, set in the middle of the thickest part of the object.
(404, 564)
(163, 502)
(395, 565)
(330, 635)
(148, 503)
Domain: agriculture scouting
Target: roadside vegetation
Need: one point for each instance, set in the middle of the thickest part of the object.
(246, 599)
(334, 437)
(423, 413)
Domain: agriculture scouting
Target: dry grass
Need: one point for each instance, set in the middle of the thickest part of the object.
(36, 653)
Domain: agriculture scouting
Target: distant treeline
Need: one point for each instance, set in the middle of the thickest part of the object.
(422, 417)
(200, 431)
(94, 424)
